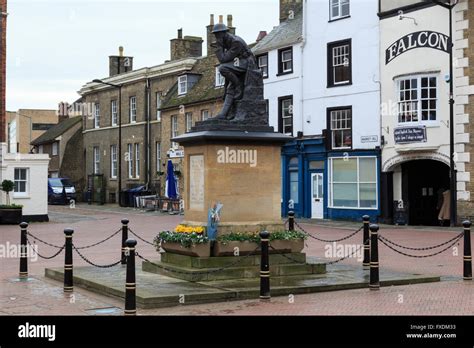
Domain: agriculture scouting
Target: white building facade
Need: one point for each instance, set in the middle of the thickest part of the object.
(29, 172)
(414, 57)
(331, 169)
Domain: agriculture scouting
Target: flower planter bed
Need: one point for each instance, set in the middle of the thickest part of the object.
(245, 248)
(10, 216)
(197, 250)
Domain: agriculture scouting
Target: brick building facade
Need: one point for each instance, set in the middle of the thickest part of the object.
(464, 19)
(26, 125)
(141, 95)
(63, 143)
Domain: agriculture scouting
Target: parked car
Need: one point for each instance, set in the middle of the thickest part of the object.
(60, 191)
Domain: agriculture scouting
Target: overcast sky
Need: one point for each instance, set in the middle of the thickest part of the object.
(55, 46)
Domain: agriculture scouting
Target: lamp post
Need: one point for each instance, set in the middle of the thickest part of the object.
(450, 4)
(119, 134)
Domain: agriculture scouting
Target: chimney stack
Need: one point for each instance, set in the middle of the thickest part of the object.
(210, 36)
(120, 64)
(290, 7)
(185, 47)
(261, 35)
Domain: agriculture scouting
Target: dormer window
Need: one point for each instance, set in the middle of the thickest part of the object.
(220, 80)
(182, 85)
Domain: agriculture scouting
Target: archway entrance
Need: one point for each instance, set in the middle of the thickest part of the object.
(423, 184)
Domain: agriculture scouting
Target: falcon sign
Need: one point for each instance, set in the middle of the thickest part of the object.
(427, 39)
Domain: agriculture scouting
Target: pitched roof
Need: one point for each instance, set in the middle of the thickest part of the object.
(287, 33)
(54, 132)
(203, 90)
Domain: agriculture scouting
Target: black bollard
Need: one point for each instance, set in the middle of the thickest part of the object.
(374, 258)
(124, 240)
(291, 220)
(467, 251)
(366, 241)
(23, 251)
(264, 266)
(130, 285)
(68, 283)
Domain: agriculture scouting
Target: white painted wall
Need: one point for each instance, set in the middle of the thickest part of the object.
(414, 61)
(421, 60)
(36, 202)
(279, 86)
(364, 94)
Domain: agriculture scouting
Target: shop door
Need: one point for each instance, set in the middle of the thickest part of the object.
(317, 197)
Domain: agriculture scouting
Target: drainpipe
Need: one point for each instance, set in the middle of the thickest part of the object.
(303, 44)
(147, 134)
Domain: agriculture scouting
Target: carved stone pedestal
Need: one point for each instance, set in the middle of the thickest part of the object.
(241, 170)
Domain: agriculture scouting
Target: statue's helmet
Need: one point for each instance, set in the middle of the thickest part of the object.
(220, 27)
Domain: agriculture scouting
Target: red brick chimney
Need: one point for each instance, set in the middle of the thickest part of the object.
(3, 70)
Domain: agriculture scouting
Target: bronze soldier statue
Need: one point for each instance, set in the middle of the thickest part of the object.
(236, 59)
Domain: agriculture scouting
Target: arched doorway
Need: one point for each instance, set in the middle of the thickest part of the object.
(423, 184)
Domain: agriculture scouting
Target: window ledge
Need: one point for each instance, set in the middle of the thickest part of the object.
(340, 85)
(338, 19)
(427, 124)
(352, 208)
(284, 73)
(21, 197)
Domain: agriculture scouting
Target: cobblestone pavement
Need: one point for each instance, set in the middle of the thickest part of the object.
(41, 296)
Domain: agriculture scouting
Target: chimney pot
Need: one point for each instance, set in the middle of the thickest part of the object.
(229, 20)
(121, 51)
(221, 19)
(212, 20)
(180, 33)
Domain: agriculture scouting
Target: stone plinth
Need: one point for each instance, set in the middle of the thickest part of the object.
(241, 170)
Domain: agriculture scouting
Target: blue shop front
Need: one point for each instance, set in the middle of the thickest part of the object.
(336, 185)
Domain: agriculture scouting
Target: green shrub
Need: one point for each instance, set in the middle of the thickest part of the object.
(7, 187)
(187, 240)
(255, 237)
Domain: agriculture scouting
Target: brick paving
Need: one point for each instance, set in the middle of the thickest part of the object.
(41, 296)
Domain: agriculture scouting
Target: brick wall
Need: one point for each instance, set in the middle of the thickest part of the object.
(466, 207)
(73, 161)
(106, 135)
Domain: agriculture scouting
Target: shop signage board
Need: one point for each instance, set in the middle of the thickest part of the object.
(407, 135)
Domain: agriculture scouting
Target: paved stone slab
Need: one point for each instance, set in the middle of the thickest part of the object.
(155, 290)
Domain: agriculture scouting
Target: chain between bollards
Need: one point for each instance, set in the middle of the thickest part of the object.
(130, 282)
(374, 258)
(124, 240)
(366, 241)
(467, 251)
(291, 220)
(264, 266)
(23, 253)
(68, 282)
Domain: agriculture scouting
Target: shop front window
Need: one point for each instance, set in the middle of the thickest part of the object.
(353, 183)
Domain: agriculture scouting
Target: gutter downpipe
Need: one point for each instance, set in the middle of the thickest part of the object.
(147, 134)
(303, 43)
